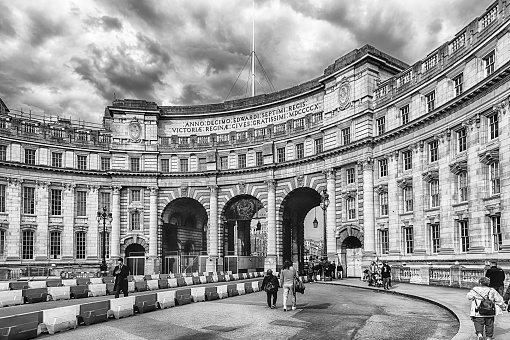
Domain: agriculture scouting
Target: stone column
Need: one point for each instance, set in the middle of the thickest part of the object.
(150, 265)
(212, 261)
(394, 204)
(368, 206)
(115, 235)
(503, 109)
(331, 214)
(68, 211)
(13, 210)
(271, 225)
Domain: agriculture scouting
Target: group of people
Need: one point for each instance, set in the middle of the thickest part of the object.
(378, 275)
(270, 284)
(319, 267)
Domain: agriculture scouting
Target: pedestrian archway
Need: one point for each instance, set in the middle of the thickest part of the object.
(350, 242)
(135, 258)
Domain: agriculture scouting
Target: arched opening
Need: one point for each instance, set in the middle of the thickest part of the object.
(351, 256)
(135, 258)
(184, 236)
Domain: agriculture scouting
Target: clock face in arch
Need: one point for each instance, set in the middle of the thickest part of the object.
(135, 130)
(344, 95)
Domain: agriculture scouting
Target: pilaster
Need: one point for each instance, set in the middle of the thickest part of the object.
(13, 210)
(41, 247)
(115, 235)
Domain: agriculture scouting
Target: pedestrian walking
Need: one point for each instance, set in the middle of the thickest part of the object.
(339, 271)
(270, 285)
(497, 277)
(386, 275)
(485, 305)
(332, 268)
(121, 272)
(288, 275)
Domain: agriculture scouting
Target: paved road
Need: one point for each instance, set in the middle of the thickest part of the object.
(324, 312)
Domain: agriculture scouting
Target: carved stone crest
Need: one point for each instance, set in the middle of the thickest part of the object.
(344, 95)
(135, 130)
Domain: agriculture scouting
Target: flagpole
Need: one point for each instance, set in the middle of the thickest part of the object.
(253, 53)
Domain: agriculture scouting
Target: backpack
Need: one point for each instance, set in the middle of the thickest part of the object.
(269, 286)
(486, 306)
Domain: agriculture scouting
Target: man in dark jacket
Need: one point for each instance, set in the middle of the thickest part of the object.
(386, 275)
(121, 272)
(270, 284)
(497, 277)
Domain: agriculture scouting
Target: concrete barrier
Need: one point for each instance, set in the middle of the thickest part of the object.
(203, 279)
(35, 295)
(82, 281)
(60, 319)
(155, 277)
(131, 286)
(145, 303)
(20, 326)
(97, 289)
(79, 292)
(18, 285)
(59, 293)
(198, 294)
(141, 286)
(255, 286)
(166, 299)
(240, 288)
(137, 278)
(11, 297)
(211, 293)
(54, 283)
(236, 276)
(181, 282)
(215, 278)
(37, 284)
(248, 288)
(152, 284)
(94, 312)
(122, 307)
(69, 282)
(189, 281)
(222, 291)
(172, 283)
(4, 286)
(163, 283)
(183, 296)
(96, 280)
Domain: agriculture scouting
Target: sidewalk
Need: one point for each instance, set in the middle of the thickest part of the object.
(453, 299)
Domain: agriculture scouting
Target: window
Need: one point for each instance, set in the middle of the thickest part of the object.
(30, 156)
(435, 238)
(2, 242)
(488, 63)
(202, 164)
(259, 159)
(3, 152)
(280, 155)
(55, 244)
(135, 195)
(408, 159)
(464, 236)
(496, 232)
(241, 161)
(135, 220)
(135, 164)
(404, 114)
(383, 167)
(493, 126)
(433, 151)
(105, 201)
(224, 163)
(82, 162)
(408, 239)
(105, 164)
(346, 136)
(318, 145)
(300, 150)
(408, 199)
(2, 197)
(457, 83)
(463, 186)
(56, 202)
(385, 241)
(107, 245)
(56, 159)
(80, 244)
(27, 245)
(351, 208)
(350, 176)
(81, 203)
(165, 165)
(383, 203)
(431, 100)
(434, 193)
(28, 200)
(462, 140)
(183, 163)
(381, 125)
(494, 178)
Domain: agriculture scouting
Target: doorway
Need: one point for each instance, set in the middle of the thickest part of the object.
(351, 256)
(135, 258)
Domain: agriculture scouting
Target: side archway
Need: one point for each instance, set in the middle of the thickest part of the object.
(350, 249)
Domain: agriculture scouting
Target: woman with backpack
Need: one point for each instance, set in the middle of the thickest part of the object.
(270, 285)
(485, 303)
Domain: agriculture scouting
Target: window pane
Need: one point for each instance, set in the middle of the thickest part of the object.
(80, 245)
(27, 245)
(28, 200)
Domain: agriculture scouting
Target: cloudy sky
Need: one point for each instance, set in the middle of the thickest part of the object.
(68, 58)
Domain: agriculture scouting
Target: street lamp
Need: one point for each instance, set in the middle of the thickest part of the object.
(104, 216)
(324, 205)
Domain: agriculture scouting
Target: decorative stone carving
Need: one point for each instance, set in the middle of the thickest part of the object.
(461, 215)
(472, 122)
(92, 188)
(344, 95)
(153, 190)
(242, 187)
(434, 219)
(213, 189)
(15, 182)
(69, 186)
(184, 191)
(42, 184)
(300, 179)
(502, 107)
(493, 209)
(489, 156)
(135, 131)
(458, 167)
(271, 184)
(349, 194)
(366, 163)
(405, 182)
(430, 175)
(116, 189)
(380, 189)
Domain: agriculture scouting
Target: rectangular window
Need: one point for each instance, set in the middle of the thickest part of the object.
(202, 164)
(135, 220)
(409, 240)
(385, 241)
(497, 236)
(27, 245)
(56, 202)
(183, 163)
(105, 164)
(82, 162)
(241, 161)
(488, 63)
(2, 242)
(29, 200)
(494, 178)
(318, 145)
(165, 165)
(300, 150)
(408, 199)
(346, 136)
(55, 244)
(383, 203)
(351, 208)
(30, 156)
(259, 159)
(431, 101)
(135, 195)
(107, 245)
(105, 201)
(457, 83)
(433, 151)
(383, 167)
(56, 159)
(280, 155)
(3, 152)
(350, 176)
(80, 244)
(462, 140)
(435, 238)
(463, 186)
(2, 197)
(407, 157)
(381, 122)
(434, 193)
(135, 164)
(464, 236)
(494, 126)
(224, 163)
(81, 203)
(404, 114)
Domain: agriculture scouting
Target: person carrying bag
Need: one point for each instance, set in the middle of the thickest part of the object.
(485, 305)
(270, 286)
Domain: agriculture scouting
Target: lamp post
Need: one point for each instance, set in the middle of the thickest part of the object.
(104, 216)
(324, 205)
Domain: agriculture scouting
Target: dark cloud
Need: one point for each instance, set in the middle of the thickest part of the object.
(105, 22)
(153, 13)
(192, 95)
(43, 28)
(6, 27)
(11, 88)
(157, 52)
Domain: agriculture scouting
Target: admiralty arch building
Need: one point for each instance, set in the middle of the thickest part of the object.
(414, 161)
